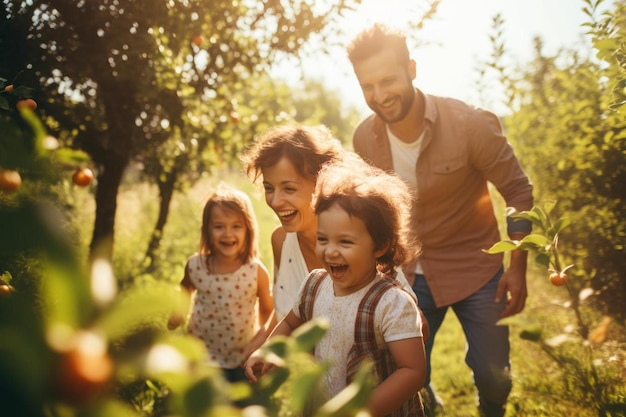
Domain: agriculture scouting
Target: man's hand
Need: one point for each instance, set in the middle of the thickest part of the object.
(513, 285)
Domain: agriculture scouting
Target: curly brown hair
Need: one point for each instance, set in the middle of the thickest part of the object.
(306, 147)
(381, 199)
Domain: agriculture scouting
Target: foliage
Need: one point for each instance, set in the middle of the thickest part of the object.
(590, 364)
(131, 80)
(76, 346)
(608, 35)
(262, 103)
(568, 129)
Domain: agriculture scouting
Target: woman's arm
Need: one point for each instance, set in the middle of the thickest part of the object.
(409, 377)
(266, 304)
(278, 238)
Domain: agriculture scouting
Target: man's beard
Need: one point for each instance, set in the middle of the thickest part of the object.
(406, 101)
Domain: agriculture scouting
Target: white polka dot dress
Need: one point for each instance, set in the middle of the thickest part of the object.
(223, 311)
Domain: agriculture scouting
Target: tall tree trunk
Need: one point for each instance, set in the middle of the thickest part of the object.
(166, 191)
(109, 179)
(112, 153)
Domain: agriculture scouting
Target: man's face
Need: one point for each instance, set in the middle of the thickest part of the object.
(387, 85)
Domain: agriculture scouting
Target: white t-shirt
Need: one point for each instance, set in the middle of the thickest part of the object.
(404, 156)
(396, 318)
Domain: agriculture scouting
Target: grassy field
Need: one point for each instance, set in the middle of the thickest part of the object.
(541, 387)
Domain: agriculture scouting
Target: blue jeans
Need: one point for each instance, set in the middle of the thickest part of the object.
(487, 344)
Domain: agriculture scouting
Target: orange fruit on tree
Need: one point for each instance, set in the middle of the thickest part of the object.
(26, 103)
(84, 373)
(82, 177)
(198, 40)
(8, 88)
(10, 180)
(558, 278)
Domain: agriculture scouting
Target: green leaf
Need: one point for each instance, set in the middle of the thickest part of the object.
(541, 216)
(543, 259)
(199, 398)
(23, 92)
(66, 294)
(606, 44)
(559, 225)
(534, 241)
(4, 103)
(137, 306)
(277, 345)
(311, 332)
(530, 216)
(548, 206)
(34, 122)
(70, 157)
(502, 246)
(189, 346)
(352, 398)
(306, 385)
(270, 382)
(111, 407)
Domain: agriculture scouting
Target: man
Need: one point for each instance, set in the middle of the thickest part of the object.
(448, 152)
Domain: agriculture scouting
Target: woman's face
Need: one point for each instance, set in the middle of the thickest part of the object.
(289, 195)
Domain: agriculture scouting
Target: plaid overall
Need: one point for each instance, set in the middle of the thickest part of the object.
(365, 345)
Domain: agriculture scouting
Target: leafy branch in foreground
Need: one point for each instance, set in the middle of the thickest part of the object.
(587, 357)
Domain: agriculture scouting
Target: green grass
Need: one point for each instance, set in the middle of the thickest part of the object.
(540, 388)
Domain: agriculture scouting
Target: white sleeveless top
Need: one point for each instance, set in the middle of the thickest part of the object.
(289, 277)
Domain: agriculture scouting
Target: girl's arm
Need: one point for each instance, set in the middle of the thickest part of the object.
(266, 309)
(177, 319)
(410, 375)
(255, 366)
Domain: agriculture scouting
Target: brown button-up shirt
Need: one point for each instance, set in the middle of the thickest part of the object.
(463, 150)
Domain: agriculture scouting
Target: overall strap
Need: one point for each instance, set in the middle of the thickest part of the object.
(364, 323)
(365, 345)
(307, 298)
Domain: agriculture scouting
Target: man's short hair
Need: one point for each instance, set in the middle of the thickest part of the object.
(377, 38)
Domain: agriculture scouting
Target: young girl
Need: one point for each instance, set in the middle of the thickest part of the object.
(287, 158)
(362, 236)
(226, 280)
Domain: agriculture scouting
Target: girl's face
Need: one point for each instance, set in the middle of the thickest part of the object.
(289, 195)
(227, 233)
(347, 250)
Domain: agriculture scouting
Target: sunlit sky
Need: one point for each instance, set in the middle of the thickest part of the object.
(457, 39)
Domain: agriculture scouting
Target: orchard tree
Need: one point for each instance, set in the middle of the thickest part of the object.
(117, 76)
(567, 123)
(209, 140)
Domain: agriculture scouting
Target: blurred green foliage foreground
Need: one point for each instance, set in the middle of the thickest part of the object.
(72, 344)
